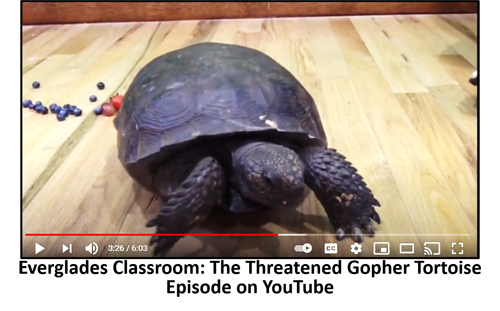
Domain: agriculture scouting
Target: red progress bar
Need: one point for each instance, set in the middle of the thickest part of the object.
(151, 234)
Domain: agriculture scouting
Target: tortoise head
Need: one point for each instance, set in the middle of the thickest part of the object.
(270, 174)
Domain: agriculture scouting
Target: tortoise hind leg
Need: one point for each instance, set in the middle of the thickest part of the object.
(185, 202)
(347, 200)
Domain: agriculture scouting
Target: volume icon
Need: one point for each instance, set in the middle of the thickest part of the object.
(65, 248)
(92, 248)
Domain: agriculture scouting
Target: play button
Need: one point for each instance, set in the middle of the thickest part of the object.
(38, 248)
(307, 248)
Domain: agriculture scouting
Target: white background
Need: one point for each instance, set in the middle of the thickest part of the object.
(389, 294)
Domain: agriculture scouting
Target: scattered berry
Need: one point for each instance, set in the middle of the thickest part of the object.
(66, 106)
(71, 109)
(93, 98)
(52, 106)
(116, 101)
(100, 86)
(44, 110)
(77, 112)
(63, 112)
(38, 103)
(61, 117)
(38, 108)
(31, 107)
(108, 110)
(56, 109)
(98, 111)
(27, 103)
(36, 84)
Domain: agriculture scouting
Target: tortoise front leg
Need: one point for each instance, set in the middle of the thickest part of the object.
(186, 202)
(238, 204)
(347, 200)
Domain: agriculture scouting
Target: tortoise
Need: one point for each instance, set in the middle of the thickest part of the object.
(216, 125)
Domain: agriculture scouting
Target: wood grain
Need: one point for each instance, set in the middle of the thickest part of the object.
(98, 12)
(392, 91)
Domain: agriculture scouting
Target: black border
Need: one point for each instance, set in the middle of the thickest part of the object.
(238, 277)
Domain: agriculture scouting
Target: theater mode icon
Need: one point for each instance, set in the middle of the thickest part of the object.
(406, 248)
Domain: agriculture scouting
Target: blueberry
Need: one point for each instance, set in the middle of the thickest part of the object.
(52, 106)
(36, 84)
(66, 106)
(63, 112)
(100, 86)
(61, 117)
(38, 108)
(93, 98)
(71, 109)
(57, 109)
(77, 112)
(98, 110)
(44, 110)
(31, 107)
(27, 103)
(38, 103)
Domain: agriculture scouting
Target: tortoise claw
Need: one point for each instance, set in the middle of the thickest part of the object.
(357, 234)
(152, 223)
(371, 230)
(153, 240)
(340, 234)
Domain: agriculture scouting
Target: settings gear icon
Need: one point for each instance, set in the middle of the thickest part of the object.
(356, 248)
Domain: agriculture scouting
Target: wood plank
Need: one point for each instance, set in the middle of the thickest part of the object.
(460, 70)
(249, 34)
(352, 134)
(96, 12)
(426, 67)
(31, 32)
(326, 51)
(468, 20)
(464, 30)
(226, 32)
(421, 183)
(395, 68)
(111, 67)
(458, 41)
(448, 150)
(429, 40)
(42, 52)
(461, 108)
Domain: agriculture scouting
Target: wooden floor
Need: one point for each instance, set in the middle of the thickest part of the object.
(393, 92)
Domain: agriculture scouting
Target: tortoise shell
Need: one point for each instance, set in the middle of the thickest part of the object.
(210, 91)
